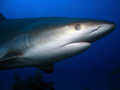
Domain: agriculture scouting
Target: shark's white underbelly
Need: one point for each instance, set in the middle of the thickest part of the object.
(48, 54)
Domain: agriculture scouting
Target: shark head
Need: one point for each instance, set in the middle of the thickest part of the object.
(78, 35)
(85, 31)
(66, 37)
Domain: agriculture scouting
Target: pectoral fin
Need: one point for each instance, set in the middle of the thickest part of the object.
(47, 68)
(10, 56)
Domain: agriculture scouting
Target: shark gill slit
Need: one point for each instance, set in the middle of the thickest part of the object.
(22, 42)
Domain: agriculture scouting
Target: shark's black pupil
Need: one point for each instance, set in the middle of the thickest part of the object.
(77, 26)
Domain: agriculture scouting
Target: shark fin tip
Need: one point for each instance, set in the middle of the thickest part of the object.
(2, 17)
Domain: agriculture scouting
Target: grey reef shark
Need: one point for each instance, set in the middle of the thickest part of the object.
(42, 41)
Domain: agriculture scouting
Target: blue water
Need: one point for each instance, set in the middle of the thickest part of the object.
(89, 69)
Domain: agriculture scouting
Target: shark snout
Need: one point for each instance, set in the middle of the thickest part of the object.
(106, 27)
(113, 26)
(103, 28)
(110, 26)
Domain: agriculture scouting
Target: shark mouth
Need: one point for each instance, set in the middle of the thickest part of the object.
(77, 43)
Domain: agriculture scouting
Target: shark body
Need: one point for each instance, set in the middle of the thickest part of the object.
(40, 42)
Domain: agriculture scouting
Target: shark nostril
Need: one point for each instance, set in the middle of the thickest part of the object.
(97, 28)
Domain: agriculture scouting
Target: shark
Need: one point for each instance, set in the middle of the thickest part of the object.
(42, 41)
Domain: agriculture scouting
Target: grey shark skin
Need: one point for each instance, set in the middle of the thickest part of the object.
(40, 42)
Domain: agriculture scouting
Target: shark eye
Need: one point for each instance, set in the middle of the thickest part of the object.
(77, 26)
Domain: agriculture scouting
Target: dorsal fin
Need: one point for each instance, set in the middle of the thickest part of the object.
(2, 17)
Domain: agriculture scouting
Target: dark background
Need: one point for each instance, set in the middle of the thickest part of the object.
(89, 69)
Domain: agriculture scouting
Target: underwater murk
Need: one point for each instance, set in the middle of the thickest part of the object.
(98, 68)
